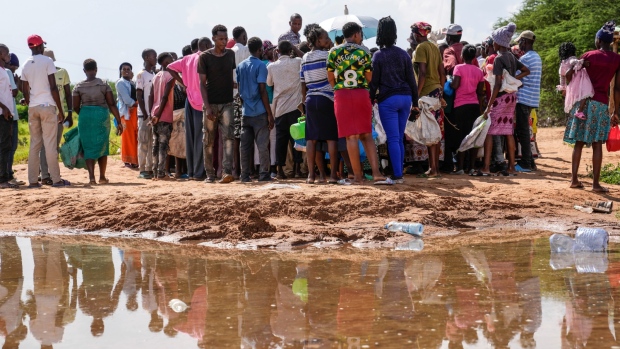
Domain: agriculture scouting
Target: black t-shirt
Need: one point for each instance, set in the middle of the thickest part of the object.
(506, 61)
(219, 71)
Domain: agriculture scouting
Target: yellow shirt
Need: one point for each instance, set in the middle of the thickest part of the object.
(428, 53)
(62, 79)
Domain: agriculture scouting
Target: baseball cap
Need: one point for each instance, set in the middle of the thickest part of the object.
(14, 60)
(230, 43)
(49, 53)
(454, 29)
(527, 34)
(35, 40)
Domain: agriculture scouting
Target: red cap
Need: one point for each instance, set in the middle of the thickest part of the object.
(34, 41)
(230, 43)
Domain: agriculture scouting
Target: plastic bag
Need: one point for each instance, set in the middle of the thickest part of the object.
(425, 130)
(509, 83)
(477, 136)
(378, 126)
(613, 141)
(71, 152)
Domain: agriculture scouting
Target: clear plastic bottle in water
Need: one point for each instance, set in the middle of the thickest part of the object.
(591, 240)
(413, 245)
(415, 229)
(561, 243)
(591, 262)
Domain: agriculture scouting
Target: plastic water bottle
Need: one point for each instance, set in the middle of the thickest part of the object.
(591, 240)
(559, 261)
(413, 245)
(561, 243)
(415, 229)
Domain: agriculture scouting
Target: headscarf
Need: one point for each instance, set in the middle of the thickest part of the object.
(606, 33)
(421, 28)
(503, 35)
(14, 60)
(267, 45)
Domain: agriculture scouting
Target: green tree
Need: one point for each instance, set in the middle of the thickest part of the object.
(555, 22)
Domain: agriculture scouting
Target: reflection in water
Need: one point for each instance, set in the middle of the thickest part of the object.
(497, 296)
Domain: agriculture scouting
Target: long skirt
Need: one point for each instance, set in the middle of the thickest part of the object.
(594, 129)
(129, 139)
(94, 128)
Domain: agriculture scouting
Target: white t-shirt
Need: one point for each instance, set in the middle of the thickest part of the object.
(144, 82)
(241, 54)
(36, 71)
(6, 96)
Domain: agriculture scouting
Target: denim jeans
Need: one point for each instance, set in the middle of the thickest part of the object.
(223, 119)
(193, 142)
(394, 113)
(255, 128)
(6, 142)
(44, 168)
(145, 145)
(522, 133)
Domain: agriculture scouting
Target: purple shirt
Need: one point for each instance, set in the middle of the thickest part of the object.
(392, 75)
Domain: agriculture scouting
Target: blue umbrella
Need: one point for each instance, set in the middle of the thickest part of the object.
(334, 25)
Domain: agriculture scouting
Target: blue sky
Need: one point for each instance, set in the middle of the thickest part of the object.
(115, 31)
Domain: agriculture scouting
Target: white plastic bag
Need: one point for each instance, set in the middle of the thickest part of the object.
(381, 136)
(425, 130)
(477, 136)
(509, 83)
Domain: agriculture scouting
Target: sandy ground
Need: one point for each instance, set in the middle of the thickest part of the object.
(454, 209)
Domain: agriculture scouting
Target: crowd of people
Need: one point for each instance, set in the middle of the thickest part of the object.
(224, 110)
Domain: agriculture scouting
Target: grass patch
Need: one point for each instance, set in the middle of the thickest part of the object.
(23, 139)
(610, 173)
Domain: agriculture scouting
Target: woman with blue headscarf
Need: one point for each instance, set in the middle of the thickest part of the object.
(601, 64)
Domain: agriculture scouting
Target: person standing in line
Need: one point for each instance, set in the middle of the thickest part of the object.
(190, 79)
(431, 77)
(10, 68)
(284, 77)
(44, 112)
(194, 45)
(349, 70)
(93, 101)
(144, 83)
(268, 58)
(64, 89)
(127, 104)
(602, 65)
(242, 53)
(468, 84)
(528, 98)
(393, 86)
(318, 96)
(215, 67)
(501, 106)
(161, 99)
(295, 23)
(257, 118)
(6, 120)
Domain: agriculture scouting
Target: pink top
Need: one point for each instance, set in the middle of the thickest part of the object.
(159, 86)
(470, 77)
(188, 67)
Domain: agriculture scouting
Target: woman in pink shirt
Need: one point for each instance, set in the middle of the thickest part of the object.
(468, 82)
(162, 100)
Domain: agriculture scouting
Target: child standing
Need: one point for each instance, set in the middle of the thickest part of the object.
(577, 89)
(144, 83)
(6, 120)
(162, 100)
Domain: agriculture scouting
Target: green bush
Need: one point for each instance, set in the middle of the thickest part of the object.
(610, 174)
(22, 111)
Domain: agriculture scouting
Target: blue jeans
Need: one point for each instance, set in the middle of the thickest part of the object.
(193, 142)
(254, 129)
(394, 113)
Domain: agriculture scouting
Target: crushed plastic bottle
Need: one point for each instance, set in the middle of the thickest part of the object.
(591, 240)
(561, 243)
(415, 229)
(591, 262)
(413, 245)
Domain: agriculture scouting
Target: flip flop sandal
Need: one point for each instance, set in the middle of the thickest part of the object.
(62, 183)
(8, 185)
(332, 182)
(506, 174)
(34, 186)
(345, 181)
(480, 174)
(422, 175)
(47, 181)
(308, 181)
(387, 181)
(104, 181)
(578, 186)
(603, 190)
(93, 182)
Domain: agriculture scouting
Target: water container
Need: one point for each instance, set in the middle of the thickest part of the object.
(561, 243)
(559, 261)
(591, 240)
(413, 245)
(415, 229)
(591, 262)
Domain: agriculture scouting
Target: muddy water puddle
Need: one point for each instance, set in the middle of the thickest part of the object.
(72, 294)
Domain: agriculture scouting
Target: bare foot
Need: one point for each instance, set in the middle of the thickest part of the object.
(599, 189)
(576, 185)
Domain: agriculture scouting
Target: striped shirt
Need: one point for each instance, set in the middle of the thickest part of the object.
(314, 74)
(529, 94)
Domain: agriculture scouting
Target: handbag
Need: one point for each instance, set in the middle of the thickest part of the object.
(298, 130)
(613, 141)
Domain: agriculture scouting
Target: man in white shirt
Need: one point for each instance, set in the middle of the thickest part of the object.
(6, 120)
(144, 83)
(44, 111)
(241, 54)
